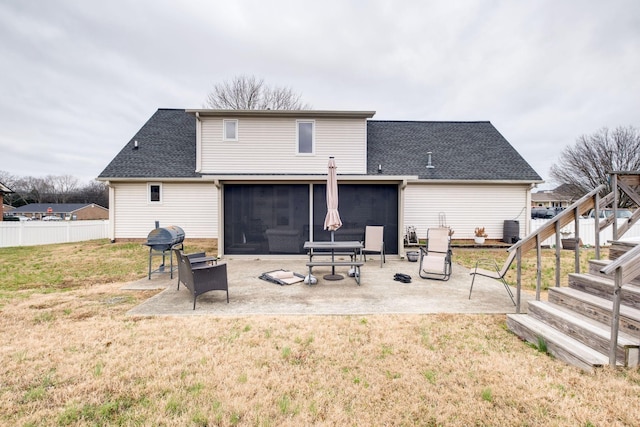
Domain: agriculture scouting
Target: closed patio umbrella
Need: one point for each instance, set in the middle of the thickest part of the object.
(332, 221)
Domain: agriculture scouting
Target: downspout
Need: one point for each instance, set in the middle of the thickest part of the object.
(527, 217)
(218, 185)
(401, 252)
(198, 143)
(112, 212)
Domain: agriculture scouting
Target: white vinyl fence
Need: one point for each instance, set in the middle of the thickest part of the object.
(587, 232)
(30, 233)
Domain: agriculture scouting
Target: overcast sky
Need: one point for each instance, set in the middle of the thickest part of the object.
(79, 78)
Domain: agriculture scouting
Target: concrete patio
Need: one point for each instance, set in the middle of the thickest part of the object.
(378, 293)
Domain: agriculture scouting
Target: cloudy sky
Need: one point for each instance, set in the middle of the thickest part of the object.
(79, 78)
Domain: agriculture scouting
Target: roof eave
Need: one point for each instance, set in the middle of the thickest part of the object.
(476, 181)
(284, 113)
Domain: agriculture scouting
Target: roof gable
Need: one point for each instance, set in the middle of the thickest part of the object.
(166, 147)
(460, 151)
(4, 189)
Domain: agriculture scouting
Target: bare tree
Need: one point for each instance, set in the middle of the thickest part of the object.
(53, 189)
(63, 187)
(249, 93)
(35, 190)
(95, 192)
(587, 163)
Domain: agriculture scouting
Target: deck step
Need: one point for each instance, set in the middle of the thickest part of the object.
(602, 286)
(558, 344)
(586, 330)
(595, 265)
(596, 308)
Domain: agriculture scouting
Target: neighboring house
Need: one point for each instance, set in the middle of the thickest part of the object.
(3, 190)
(556, 198)
(251, 178)
(69, 211)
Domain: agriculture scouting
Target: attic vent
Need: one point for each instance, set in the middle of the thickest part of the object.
(429, 165)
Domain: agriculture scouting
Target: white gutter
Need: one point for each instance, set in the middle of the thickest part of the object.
(198, 143)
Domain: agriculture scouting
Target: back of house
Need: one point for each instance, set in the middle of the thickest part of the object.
(256, 180)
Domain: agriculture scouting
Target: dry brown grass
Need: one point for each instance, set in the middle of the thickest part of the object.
(75, 358)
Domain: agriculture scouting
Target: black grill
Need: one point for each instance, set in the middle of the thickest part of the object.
(161, 240)
(164, 238)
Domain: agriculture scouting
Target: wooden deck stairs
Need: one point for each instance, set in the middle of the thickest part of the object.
(595, 321)
(575, 321)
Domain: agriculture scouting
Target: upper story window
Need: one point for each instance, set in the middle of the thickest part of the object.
(306, 130)
(230, 130)
(155, 193)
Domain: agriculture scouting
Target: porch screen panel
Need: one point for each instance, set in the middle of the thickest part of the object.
(359, 206)
(265, 218)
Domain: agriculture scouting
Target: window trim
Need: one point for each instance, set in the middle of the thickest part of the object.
(313, 137)
(224, 129)
(150, 193)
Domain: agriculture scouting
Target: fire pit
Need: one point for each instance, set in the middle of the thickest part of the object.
(162, 240)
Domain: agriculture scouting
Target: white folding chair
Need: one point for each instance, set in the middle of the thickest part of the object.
(373, 242)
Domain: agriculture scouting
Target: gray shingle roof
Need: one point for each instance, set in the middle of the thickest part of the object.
(460, 150)
(166, 149)
(56, 208)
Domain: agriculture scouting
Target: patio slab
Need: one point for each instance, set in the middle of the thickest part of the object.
(378, 293)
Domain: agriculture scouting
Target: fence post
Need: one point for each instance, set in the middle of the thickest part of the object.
(558, 244)
(576, 221)
(596, 202)
(519, 277)
(614, 185)
(538, 266)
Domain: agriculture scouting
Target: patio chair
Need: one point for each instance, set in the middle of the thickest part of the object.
(202, 278)
(435, 256)
(494, 272)
(201, 256)
(373, 242)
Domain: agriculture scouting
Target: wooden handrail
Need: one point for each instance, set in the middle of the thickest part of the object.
(625, 269)
(582, 205)
(551, 227)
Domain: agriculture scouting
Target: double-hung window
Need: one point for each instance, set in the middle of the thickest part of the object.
(230, 130)
(306, 131)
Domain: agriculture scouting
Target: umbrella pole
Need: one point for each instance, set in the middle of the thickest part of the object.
(333, 275)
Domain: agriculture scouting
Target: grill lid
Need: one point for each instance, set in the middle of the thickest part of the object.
(164, 238)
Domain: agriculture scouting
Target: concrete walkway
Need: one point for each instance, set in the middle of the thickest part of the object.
(378, 293)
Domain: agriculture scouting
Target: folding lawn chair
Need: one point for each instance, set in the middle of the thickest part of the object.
(495, 272)
(435, 256)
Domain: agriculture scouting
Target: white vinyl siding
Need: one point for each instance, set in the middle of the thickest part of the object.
(465, 207)
(269, 145)
(191, 206)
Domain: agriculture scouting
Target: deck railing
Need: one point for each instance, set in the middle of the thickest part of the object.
(553, 226)
(624, 269)
(624, 182)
